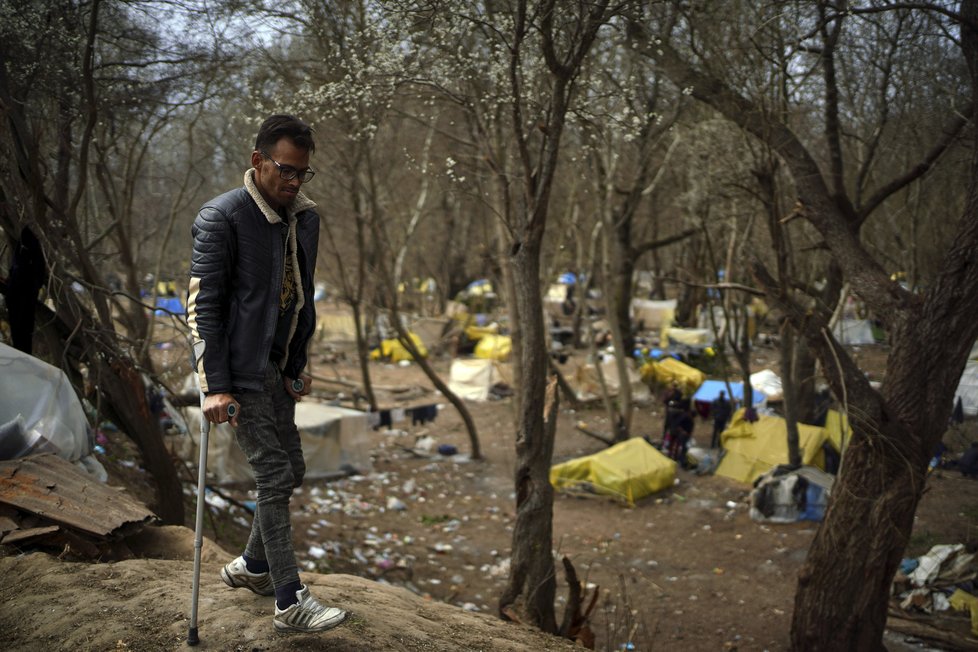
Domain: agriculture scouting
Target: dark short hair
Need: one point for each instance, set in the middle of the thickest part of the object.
(281, 126)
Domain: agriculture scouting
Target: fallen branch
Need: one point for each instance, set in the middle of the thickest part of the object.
(605, 440)
(920, 629)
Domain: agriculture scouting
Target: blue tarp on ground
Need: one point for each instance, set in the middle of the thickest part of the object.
(710, 389)
(168, 305)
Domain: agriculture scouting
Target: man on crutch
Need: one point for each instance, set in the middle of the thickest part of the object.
(250, 311)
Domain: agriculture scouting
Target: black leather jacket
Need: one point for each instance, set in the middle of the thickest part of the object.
(236, 281)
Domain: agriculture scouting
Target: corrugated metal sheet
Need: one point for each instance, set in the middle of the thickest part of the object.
(55, 490)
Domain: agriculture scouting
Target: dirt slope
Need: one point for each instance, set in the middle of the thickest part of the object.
(144, 604)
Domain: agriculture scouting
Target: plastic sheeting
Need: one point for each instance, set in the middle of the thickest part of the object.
(753, 448)
(588, 384)
(393, 349)
(627, 471)
(653, 314)
(39, 409)
(710, 390)
(667, 370)
(967, 389)
(473, 378)
(494, 347)
(332, 438)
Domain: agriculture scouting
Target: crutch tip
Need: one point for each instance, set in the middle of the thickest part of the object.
(192, 638)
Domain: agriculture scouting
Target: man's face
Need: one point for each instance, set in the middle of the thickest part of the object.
(277, 191)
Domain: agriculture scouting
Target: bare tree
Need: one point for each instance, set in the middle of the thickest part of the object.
(843, 587)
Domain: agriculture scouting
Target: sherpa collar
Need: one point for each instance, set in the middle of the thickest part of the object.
(299, 204)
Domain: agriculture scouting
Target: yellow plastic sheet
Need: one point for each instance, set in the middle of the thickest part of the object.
(667, 370)
(394, 350)
(627, 471)
(494, 347)
(754, 448)
(963, 601)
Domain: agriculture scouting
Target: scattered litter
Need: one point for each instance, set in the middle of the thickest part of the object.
(396, 504)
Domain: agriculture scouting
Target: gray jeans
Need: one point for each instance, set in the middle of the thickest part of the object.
(270, 440)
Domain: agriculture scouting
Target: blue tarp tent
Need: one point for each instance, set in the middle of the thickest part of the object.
(710, 389)
(169, 305)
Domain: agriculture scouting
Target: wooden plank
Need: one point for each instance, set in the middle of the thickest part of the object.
(55, 490)
(19, 536)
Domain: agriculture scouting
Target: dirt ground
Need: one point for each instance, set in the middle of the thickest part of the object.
(685, 569)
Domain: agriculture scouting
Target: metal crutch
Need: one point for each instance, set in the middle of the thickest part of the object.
(205, 428)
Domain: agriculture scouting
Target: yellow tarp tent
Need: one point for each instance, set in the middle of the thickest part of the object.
(668, 369)
(394, 350)
(494, 347)
(476, 333)
(753, 448)
(628, 471)
(836, 424)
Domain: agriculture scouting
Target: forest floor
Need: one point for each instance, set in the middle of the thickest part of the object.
(684, 569)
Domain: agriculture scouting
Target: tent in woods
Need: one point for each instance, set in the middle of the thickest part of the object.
(473, 379)
(653, 315)
(967, 389)
(667, 370)
(394, 351)
(768, 383)
(854, 332)
(628, 471)
(753, 448)
(710, 390)
(785, 496)
(333, 439)
(40, 412)
(587, 383)
(494, 347)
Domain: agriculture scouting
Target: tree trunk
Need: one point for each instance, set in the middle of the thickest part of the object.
(788, 391)
(529, 595)
(363, 356)
(846, 577)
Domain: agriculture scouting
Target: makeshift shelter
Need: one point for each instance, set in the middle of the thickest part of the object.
(967, 389)
(335, 326)
(333, 439)
(494, 347)
(786, 496)
(430, 330)
(40, 412)
(667, 370)
(691, 337)
(837, 430)
(627, 471)
(169, 306)
(854, 332)
(473, 379)
(753, 448)
(394, 351)
(588, 384)
(768, 383)
(653, 315)
(710, 390)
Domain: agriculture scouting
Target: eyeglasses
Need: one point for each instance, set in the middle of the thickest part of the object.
(287, 172)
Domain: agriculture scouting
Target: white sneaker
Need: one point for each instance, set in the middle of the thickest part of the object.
(235, 574)
(307, 615)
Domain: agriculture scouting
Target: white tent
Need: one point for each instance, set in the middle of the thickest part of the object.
(473, 378)
(854, 331)
(40, 412)
(653, 314)
(767, 383)
(332, 437)
(967, 389)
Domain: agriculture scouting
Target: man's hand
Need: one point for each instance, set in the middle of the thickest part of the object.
(306, 381)
(216, 408)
